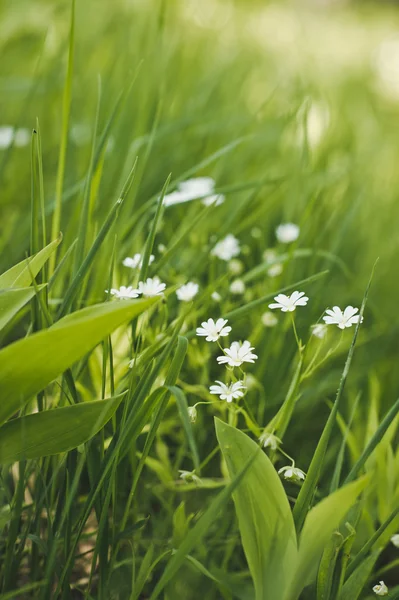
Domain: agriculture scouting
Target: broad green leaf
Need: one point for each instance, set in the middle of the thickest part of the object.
(54, 431)
(21, 274)
(28, 365)
(264, 515)
(11, 301)
(356, 582)
(319, 525)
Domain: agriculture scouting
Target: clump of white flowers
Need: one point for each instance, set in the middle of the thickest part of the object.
(380, 589)
(187, 292)
(227, 248)
(287, 233)
(151, 287)
(343, 319)
(136, 261)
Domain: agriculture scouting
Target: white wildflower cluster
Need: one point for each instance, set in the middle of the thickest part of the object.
(149, 288)
(235, 356)
(198, 187)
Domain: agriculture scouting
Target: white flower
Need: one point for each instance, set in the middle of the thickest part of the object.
(319, 330)
(235, 266)
(161, 248)
(289, 303)
(269, 255)
(237, 354)
(227, 248)
(292, 473)
(237, 287)
(136, 261)
(395, 540)
(80, 134)
(269, 319)
(151, 287)
(187, 292)
(287, 233)
(275, 270)
(192, 413)
(8, 135)
(343, 319)
(198, 187)
(269, 440)
(380, 589)
(190, 477)
(228, 392)
(213, 331)
(216, 297)
(124, 293)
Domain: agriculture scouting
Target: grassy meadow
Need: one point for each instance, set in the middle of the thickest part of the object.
(164, 163)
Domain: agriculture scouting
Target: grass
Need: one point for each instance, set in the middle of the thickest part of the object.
(108, 489)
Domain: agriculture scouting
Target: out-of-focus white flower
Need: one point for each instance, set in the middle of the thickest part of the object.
(237, 354)
(270, 255)
(287, 233)
(190, 477)
(387, 67)
(187, 292)
(395, 540)
(269, 440)
(317, 121)
(235, 266)
(136, 261)
(8, 135)
(80, 134)
(289, 303)
(380, 589)
(269, 319)
(212, 330)
(124, 293)
(292, 473)
(192, 413)
(161, 248)
(151, 287)
(193, 189)
(319, 330)
(216, 297)
(227, 248)
(237, 287)
(275, 270)
(343, 319)
(228, 392)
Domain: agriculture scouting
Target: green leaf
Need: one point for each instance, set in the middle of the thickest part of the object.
(54, 431)
(356, 582)
(11, 302)
(264, 515)
(21, 275)
(28, 365)
(319, 525)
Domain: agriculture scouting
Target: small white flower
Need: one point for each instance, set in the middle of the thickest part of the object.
(161, 248)
(380, 589)
(287, 233)
(192, 189)
(124, 293)
(343, 319)
(190, 477)
(289, 303)
(237, 287)
(275, 270)
(213, 331)
(228, 392)
(187, 292)
(6, 136)
(192, 413)
(235, 266)
(216, 297)
(227, 248)
(269, 319)
(136, 261)
(292, 473)
(269, 440)
(269, 255)
(237, 354)
(395, 540)
(151, 287)
(319, 330)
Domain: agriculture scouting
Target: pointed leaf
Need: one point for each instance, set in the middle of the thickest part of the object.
(264, 515)
(11, 301)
